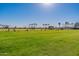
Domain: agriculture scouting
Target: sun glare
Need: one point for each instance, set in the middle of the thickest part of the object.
(47, 4)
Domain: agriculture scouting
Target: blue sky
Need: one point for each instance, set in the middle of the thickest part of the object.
(27, 13)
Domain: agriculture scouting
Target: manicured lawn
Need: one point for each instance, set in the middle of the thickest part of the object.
(40, 43)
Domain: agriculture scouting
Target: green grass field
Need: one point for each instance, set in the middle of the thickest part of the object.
(40, 43)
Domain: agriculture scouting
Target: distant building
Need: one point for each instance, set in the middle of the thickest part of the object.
(76, 26)
(50, 27)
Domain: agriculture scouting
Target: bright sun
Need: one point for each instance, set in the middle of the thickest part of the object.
(47, 4)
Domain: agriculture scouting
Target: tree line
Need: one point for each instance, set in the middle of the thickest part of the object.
(66, 25)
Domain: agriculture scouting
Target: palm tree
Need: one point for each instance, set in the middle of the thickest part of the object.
(14, 29)
(59, 24)
(45, 26)
(34, 25)
(6, 27)
(66, 24)
(29, 26)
